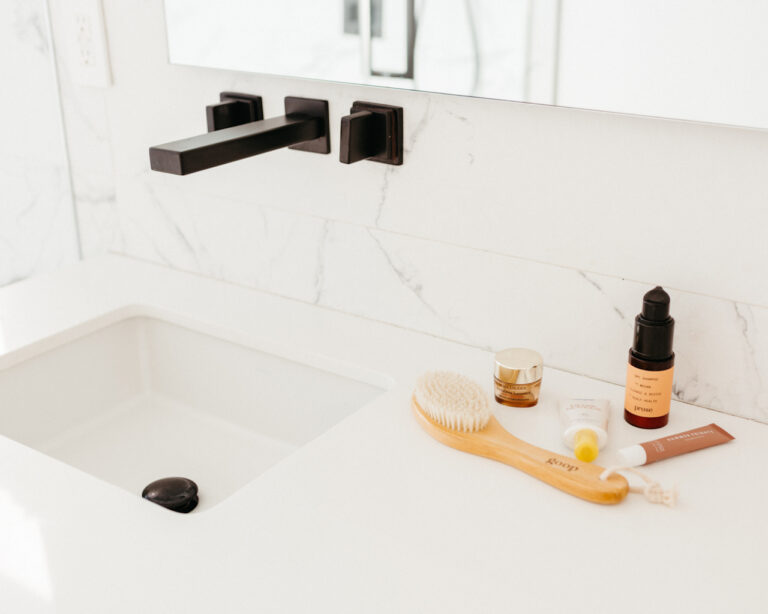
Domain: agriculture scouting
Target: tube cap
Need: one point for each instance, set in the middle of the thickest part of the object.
(633, 456)
(585, 445)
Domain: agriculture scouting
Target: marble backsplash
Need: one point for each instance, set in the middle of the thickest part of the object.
(509, 224)
(37, 220)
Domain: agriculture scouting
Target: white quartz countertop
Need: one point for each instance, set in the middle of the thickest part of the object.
(374, 515)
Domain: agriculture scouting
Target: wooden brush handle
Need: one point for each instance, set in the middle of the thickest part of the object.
(568, 474)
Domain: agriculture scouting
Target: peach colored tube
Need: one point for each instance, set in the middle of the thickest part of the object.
(682, 443)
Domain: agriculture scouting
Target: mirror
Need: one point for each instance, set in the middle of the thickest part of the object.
(702, 60)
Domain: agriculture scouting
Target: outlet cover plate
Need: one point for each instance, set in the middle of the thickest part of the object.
(86, 42)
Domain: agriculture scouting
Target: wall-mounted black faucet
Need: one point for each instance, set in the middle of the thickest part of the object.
(233, 110)
(372, 131)
(238, 131)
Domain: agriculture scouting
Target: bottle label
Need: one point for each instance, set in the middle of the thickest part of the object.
(649, 393)
(517, 395)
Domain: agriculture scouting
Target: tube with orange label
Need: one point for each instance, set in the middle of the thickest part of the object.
(673, 445)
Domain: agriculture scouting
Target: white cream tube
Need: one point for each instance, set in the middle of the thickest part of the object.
(584, 422)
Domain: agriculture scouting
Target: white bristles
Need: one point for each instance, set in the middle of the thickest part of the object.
(453, 401)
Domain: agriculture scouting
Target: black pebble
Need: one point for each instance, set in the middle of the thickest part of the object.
(177, 494)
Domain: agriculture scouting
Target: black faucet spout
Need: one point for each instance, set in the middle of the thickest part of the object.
(304, 126)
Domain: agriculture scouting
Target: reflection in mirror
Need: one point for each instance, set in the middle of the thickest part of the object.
(691, 59)
(449, 46)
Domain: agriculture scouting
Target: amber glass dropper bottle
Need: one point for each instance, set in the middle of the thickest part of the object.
(651, 364)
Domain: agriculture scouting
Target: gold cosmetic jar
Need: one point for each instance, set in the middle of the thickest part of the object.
(517, 377)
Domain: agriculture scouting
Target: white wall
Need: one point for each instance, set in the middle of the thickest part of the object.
(37, 222)
(508, 224)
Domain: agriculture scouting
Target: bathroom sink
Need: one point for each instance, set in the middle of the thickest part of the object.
(144, 398)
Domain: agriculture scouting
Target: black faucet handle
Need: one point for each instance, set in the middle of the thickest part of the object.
(233, 110)
(372, 132)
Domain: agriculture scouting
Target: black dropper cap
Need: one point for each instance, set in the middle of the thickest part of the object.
(654, 327)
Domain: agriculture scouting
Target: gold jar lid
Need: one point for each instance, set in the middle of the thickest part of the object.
(518, 366)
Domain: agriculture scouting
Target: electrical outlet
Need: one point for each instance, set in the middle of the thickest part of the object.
(88, 57)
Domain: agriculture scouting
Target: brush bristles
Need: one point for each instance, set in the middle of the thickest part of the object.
(453, 401)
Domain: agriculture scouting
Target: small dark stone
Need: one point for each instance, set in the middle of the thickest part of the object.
(177, 494)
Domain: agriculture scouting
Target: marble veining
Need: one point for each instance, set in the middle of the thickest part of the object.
(599, 288)
(507, 224)
(30, 27)
(320, 265)
(408, 278)
(383, 197)
(37, 227)
(579, 321)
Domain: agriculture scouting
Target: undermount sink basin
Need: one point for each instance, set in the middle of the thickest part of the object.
(144, 398)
